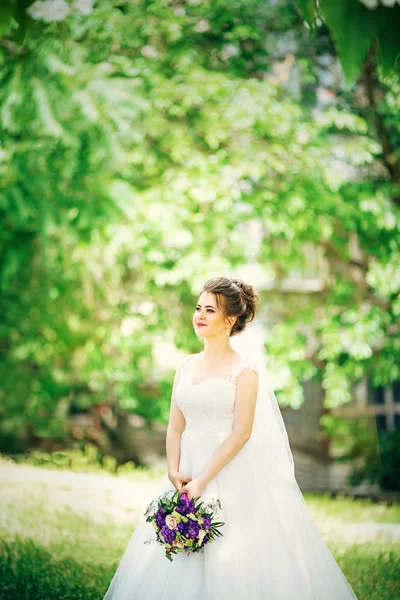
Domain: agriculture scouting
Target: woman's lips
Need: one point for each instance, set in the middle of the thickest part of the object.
(201, 325)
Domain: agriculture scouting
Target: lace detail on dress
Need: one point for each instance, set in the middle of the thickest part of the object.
(244, 364)
(183, 365)
(208, 405)
(232, 377)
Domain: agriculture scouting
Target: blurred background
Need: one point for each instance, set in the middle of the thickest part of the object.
(146, 146)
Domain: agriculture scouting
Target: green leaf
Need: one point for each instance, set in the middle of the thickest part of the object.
(309, 10)
(353, 28)
(6, 13)
(389, 43)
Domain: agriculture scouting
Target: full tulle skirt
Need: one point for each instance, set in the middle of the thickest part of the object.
(271, 548)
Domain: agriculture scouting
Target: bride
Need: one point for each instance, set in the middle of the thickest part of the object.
(226, 439)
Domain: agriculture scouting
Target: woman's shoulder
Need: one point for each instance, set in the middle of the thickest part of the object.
(245, 363)
(182, 363)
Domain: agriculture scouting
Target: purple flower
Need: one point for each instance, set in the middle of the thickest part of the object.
(160, 517)
(193, 528)
(206, 522)
(168, 534)
(184, 505)
(182, 510)
(183, 528)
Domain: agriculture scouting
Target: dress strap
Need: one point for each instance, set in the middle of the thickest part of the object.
(234, 374)
(243, 364)
(184, 363)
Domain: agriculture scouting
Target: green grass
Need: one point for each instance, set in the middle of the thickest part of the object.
(62, 538)
(31, 572)
(352, 511)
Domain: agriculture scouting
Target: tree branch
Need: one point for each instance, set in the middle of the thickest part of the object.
(13, 47)
(390, 156)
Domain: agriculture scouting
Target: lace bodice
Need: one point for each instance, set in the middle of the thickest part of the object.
(208, 405)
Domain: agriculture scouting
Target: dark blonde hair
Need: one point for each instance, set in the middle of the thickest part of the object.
(234, 298)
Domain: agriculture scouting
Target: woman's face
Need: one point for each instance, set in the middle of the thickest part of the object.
(208, 320)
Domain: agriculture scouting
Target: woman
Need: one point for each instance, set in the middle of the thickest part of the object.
(226, 439)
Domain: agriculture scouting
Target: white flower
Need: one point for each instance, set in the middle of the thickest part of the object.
(37, 10)
(57, 10)
(180, 11)
(170, 522)
(149, 52)
(129, 325)
(325, 96)
(201, 534)
(374, 3)
(202, 26)
(228, 51)
(49, 10)
(146, 307)
(370, 3)
(85, 7)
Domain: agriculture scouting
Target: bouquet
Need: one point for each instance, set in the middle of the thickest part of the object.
(182, 525)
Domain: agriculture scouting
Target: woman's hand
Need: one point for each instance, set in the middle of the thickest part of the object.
(193, 489)
(177, 479)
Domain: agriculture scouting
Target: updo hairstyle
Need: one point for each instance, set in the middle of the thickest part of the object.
(234, 298)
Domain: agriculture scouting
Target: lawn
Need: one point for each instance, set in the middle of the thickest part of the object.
(63, 533)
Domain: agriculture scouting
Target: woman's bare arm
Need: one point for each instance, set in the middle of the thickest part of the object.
(245, 403)
(176, 426)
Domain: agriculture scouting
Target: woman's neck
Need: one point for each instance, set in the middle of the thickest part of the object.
(215, 350)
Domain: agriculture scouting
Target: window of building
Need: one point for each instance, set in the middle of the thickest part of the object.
(381, 422)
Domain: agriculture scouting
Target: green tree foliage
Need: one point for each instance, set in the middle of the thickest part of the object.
(151, 145)
(374, 455)
(355, 26)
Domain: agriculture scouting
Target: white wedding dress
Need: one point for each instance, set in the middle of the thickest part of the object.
(271, 548)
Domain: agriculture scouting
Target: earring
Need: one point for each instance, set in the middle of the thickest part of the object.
(227, 331)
